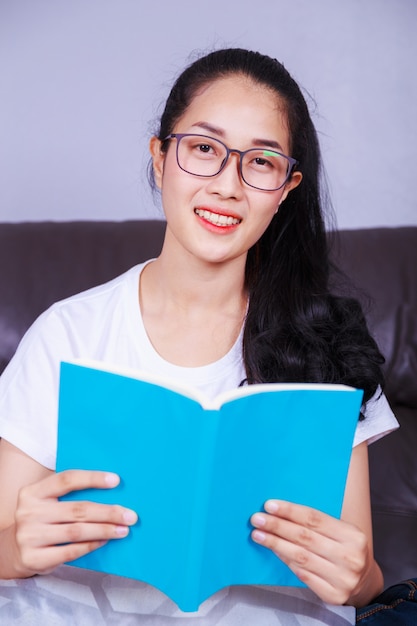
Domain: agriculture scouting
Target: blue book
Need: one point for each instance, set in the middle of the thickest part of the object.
(195, 471)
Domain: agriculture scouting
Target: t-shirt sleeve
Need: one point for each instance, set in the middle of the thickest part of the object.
(29, 389)
(379, 420)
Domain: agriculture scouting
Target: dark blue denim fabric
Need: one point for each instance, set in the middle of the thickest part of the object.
(395, 605)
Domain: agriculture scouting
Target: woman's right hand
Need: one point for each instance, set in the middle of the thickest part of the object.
(50, 532)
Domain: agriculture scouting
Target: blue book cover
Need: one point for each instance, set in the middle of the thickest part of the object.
(195, 471)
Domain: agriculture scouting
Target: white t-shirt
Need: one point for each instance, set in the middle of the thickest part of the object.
(105, 324)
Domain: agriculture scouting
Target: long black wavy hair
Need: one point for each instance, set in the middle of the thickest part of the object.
(296, 330)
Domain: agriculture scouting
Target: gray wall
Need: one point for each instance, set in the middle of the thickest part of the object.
(82, 82)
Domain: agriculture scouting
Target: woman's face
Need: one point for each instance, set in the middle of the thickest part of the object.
(243, 115)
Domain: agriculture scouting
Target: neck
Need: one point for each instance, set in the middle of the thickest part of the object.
(192, 311)
(187, 282)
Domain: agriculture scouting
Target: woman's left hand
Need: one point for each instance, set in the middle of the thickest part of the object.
(331, 556)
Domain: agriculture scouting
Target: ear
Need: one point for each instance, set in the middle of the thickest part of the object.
(158, 160)
(292, 183)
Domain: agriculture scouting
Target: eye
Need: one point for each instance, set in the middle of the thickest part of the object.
(267, 161)
(204, 147)
(261, 161)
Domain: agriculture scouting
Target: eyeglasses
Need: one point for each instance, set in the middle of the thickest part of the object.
(260, 168)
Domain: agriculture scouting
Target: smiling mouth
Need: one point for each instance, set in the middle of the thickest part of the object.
(216, 218)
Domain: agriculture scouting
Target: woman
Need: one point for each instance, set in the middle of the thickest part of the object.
(239, 293)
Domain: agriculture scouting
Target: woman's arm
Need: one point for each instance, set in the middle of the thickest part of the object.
(333, 557)
(357, 511)
(37, 531)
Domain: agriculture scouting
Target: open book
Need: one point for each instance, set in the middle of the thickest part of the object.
(195, 471)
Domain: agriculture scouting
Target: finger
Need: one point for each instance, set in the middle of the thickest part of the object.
(310, 555)
(274, 532)
(77, 511)
(278, 534)
(60, 534)
(331, 589)
(326, 578)
(47, 559)
(63, 483)
(293, 544)
(86, 511)
(309, 518)
(345, 544)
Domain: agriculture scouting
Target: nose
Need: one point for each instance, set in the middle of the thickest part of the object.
(228, 182)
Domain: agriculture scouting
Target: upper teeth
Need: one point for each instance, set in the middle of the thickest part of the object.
(215, 218)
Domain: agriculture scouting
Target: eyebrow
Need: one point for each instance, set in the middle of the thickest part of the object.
(270, 143)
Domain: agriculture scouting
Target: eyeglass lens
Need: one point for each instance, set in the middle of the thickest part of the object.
(205, 156)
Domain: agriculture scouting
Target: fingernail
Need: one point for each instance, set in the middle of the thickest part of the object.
(112, 480)
(121, 531)
(271, 506)
(130, 517)
(258, 536)
(258, 519)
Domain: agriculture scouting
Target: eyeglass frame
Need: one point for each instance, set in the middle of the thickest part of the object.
(178, 136)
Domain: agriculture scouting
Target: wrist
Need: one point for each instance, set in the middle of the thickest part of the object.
(371, 585)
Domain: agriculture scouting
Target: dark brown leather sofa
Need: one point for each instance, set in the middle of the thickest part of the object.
(44, 262)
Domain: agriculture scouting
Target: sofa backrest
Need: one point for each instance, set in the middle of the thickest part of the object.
(382, 262)
(43, 262)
